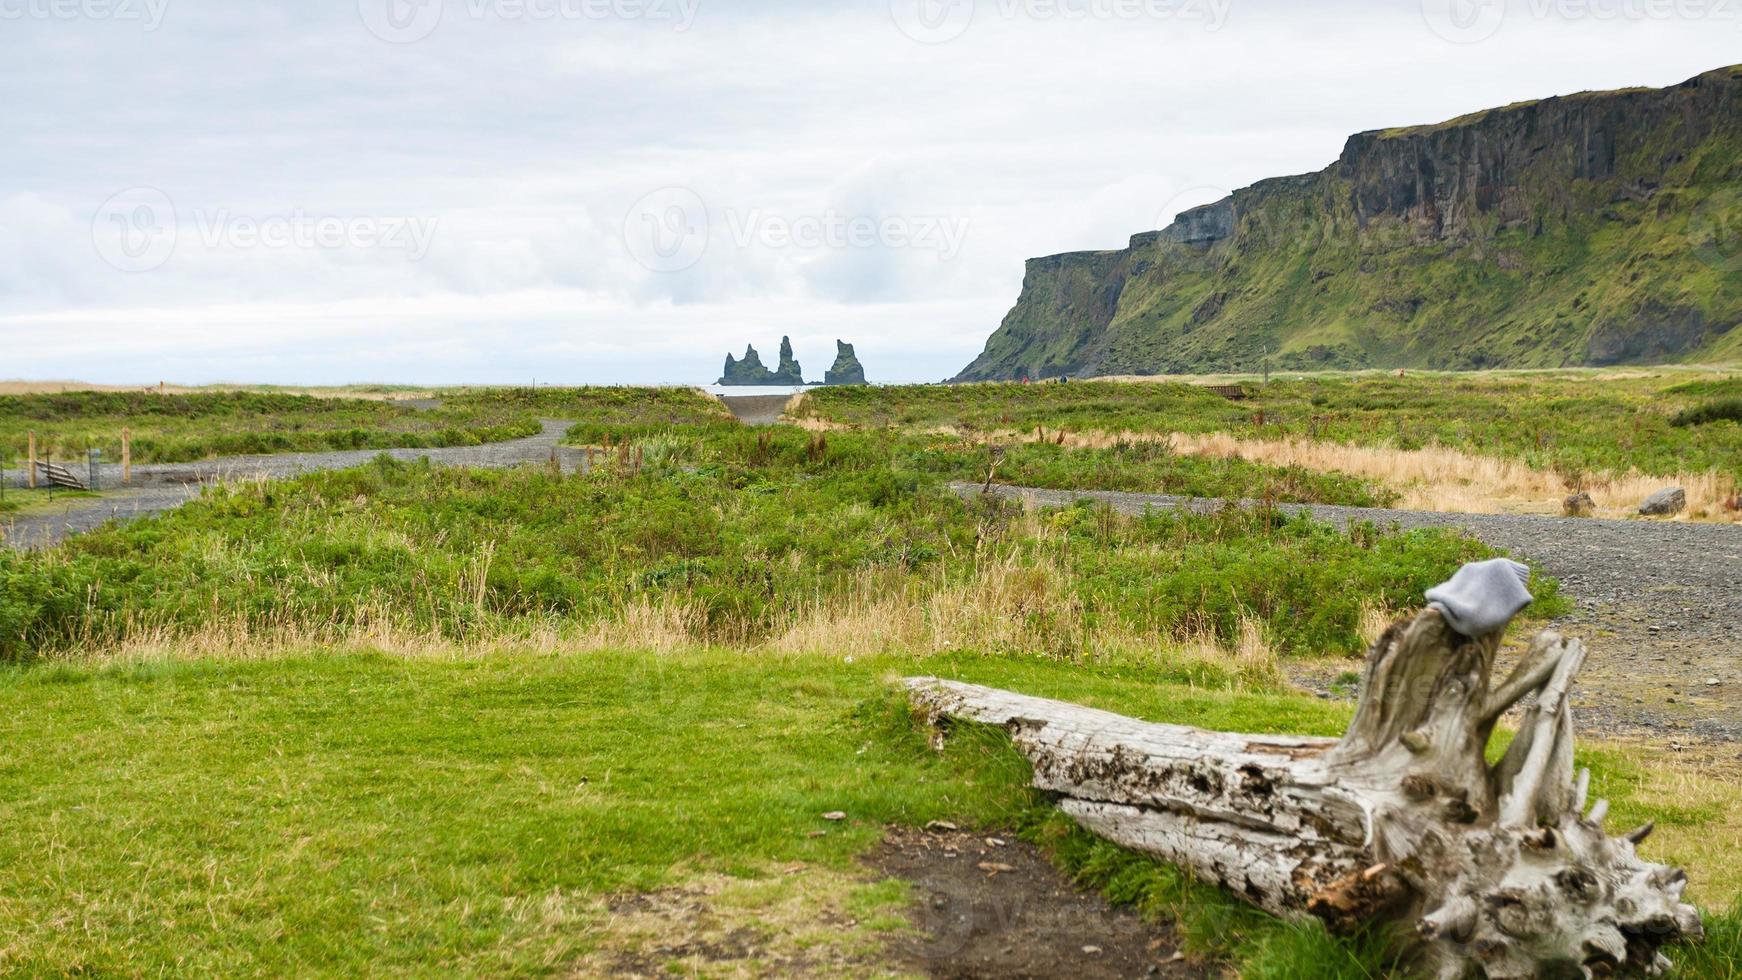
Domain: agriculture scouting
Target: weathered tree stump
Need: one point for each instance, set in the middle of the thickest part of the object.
(1501, 868)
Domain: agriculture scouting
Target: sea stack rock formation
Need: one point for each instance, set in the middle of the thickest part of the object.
(847, 369)
(789, 372)
(751, 371)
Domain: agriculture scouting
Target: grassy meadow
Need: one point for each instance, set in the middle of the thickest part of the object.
(205, 424)
(402, 719)
(725, 536)
(339, 811)
(1422, 439)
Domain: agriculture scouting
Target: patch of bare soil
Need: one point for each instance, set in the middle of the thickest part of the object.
(989, 907)
(796, 922)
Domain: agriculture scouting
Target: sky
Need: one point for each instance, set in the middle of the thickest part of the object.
(621, 191)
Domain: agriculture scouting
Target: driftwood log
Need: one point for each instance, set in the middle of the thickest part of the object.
(1502, 868)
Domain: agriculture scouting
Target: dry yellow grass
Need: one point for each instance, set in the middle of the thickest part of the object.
(1434, 478)
(1440, 479)
(1677, 371)
(1007, 607)
(1008, 604)
(1699, 781)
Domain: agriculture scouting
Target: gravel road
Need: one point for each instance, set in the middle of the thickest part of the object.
(165, 486)
(1653, 601)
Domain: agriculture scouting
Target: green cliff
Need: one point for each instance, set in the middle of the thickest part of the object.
(1598, 228)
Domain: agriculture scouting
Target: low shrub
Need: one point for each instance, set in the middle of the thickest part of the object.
(1724, 410)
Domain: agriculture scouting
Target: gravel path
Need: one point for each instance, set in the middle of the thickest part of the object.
(756, 409)
(1653, 599)
(165, 486)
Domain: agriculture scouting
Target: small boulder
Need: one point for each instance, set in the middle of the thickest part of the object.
(1665, 503)
(1579, 505)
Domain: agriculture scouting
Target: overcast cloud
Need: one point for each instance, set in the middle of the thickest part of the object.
(323, 191)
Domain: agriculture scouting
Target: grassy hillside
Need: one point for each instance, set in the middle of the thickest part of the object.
(1596, 229)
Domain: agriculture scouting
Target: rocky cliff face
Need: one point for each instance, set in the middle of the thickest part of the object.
(1592, 229)
(846, 370)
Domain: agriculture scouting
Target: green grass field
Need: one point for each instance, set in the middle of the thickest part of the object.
(731, 537)
(1573, 420)
(408, 720)
(342, 813)
(183, 427)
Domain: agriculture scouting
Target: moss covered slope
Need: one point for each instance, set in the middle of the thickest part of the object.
(1600, 228)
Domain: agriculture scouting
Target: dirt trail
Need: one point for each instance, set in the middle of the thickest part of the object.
(165, 486)
(991, 907)
(1652, 598)
(757, 409)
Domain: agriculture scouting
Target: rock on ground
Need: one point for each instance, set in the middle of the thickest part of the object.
(1665, 503)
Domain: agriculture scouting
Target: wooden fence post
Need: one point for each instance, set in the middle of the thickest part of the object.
(126, 455)
(31, 463)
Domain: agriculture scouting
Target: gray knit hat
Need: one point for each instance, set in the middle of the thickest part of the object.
(1483, 596)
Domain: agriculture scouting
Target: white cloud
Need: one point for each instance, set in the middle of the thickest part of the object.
(525, 144)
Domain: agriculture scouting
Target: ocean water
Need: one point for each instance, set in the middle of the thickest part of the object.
(754, 389)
